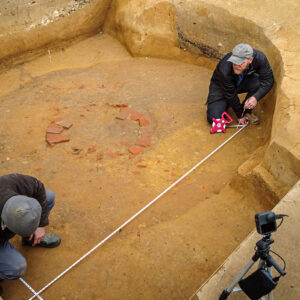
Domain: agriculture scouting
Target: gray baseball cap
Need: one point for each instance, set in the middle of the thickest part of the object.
(240, 53)
(21, 215)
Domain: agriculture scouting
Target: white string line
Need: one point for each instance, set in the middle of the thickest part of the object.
(139, 212)
(31, 289)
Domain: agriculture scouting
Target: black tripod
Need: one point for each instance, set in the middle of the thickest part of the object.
(260, 283)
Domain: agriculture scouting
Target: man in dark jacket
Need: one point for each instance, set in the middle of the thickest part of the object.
(244, 70)
(24, 210)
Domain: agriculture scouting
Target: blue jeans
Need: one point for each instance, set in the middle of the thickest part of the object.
(12, 262)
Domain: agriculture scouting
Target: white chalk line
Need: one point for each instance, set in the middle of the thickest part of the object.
(134, 216)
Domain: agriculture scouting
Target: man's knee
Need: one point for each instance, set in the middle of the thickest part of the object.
(215, 110)
(14, 269)
(209, 117)
(19, 269)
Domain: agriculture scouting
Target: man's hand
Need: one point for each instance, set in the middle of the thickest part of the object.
(38, 235)
(243, 121)
(250, 103)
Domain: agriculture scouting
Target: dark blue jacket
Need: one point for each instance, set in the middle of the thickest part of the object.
(223, 84)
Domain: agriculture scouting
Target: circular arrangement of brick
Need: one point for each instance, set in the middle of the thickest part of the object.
(54, 131)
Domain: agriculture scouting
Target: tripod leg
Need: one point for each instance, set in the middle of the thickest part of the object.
(227, 292)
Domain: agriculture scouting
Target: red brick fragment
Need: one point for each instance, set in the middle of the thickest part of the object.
(64, 124)
(141, 166)
(53, 128)
(81, 87)
(38, 169)
(92, 149)
(111, 154)
(135, 115)
(53, 138)
(126, 144)
(99, 156)
(143, 121)
(135, 149)
(122, 105)
(124, 114)
(144, 140)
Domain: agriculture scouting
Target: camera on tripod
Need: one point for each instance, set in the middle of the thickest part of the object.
(261, 282)
(266, 222)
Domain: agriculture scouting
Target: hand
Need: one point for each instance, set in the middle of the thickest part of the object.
(250, 103)
(243, 121)
(38, 235)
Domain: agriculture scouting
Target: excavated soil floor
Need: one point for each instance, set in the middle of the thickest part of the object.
(173, 246)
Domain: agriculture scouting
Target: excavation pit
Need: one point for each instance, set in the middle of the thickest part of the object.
(176, 244)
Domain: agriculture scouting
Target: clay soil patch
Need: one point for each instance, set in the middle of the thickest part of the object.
(175, 245)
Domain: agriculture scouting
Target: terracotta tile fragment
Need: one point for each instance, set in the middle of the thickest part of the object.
(53, 138)
(111, 154)
(141, 166)
(144, 140)
(122, 105)
(64, 124)
(92, 149)
(124, 114)
(135, 115)
(135, 149)
(99, 156)
(143, 121)
(126, 144)
(53, 128)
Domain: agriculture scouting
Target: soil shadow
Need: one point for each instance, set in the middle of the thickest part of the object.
(177, 243)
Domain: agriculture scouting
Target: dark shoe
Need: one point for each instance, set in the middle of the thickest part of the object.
(49, 241)
(252, 119)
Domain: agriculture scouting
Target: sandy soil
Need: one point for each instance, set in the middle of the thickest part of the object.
(178, 242)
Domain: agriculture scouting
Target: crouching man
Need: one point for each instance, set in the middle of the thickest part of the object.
(24, 210)
(244, 70)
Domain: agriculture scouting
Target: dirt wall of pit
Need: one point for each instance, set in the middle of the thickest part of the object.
(29, 28)
(189, 30)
